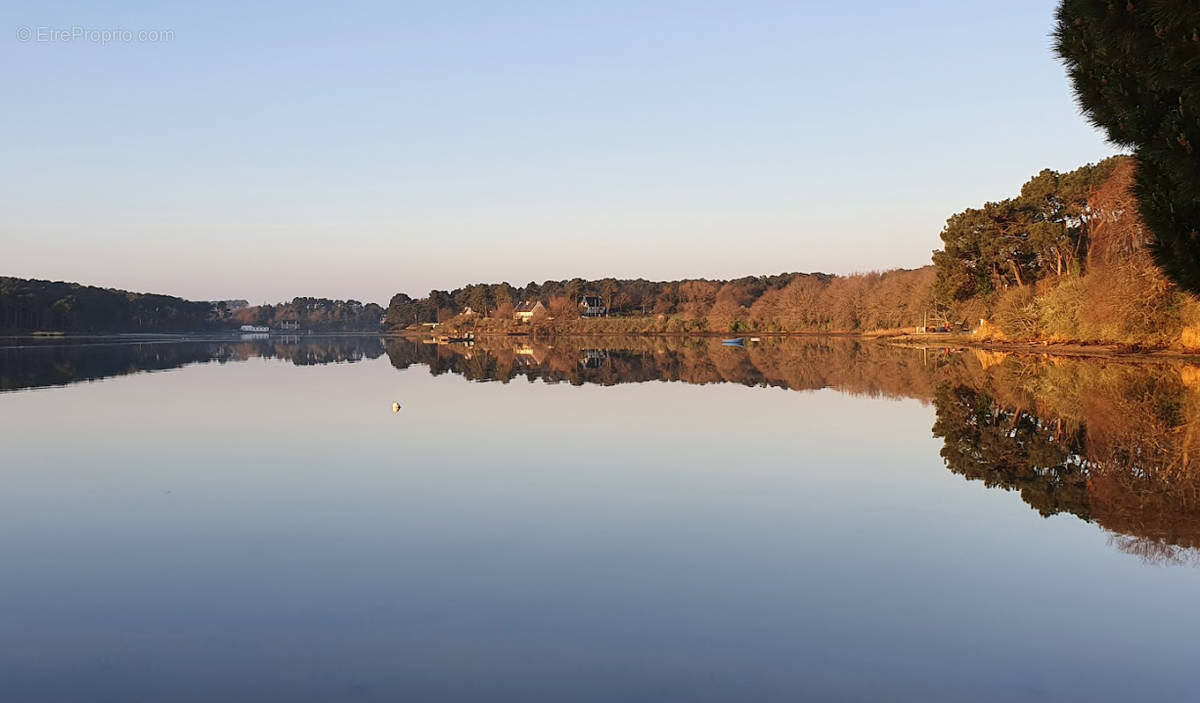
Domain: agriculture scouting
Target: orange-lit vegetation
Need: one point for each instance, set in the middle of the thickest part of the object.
(1068, 259)
(1110, 289)
(790, 302)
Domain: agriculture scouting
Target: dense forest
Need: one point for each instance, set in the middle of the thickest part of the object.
(28, 305)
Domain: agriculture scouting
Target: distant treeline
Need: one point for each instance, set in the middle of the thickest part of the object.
(314, 314)
(28, 305)
(33, 305)
(785, 302)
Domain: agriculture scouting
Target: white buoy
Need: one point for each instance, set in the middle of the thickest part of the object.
(395, 407)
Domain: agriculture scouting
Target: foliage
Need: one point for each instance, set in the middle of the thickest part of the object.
(316, 314)
(1080, 268)
(1135, 69)
(793, 302)
(36, 305)
(33, 305)
(1039, 234)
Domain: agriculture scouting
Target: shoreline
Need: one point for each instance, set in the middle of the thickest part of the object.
(933, 340)
(930, 340)
(1097, 350)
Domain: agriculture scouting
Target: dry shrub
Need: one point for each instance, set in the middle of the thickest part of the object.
(1060, 309)
(973, 311)
(1016, 313)
(989, 331)
(1126, 297)
(1131, 302)
(1189, 318)
(563, 307)
(1189, 338)
(1190, 375)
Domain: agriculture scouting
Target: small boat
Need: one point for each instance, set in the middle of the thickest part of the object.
(735, 342)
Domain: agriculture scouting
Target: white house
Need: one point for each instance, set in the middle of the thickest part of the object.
(526, 310)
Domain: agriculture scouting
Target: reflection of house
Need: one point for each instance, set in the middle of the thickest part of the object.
(289, 325)
(592, 306)
(592, 358)
(528, 355)
(526, 310)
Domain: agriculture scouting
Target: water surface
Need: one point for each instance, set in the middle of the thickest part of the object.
(641, 519)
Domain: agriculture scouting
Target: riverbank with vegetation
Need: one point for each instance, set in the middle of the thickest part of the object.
(908, 338)
(1067, 261)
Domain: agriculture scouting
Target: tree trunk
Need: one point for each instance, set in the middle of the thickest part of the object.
(1016, 272)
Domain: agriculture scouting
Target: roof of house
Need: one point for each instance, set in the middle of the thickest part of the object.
(593, 301)
(529, 306)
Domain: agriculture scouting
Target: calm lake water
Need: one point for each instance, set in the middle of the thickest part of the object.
(604, 520)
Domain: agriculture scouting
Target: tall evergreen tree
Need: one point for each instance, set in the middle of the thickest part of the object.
(1135, 68)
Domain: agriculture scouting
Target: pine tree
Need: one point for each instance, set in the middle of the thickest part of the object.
(1135, 69)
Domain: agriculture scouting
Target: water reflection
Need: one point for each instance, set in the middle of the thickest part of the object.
(848, 365)
(1108, 441)
(38, 363)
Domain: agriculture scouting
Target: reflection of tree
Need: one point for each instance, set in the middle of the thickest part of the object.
(56, 364)
(1106, 441)
(1012, 449)
(1109, 442)
(796, 363)
(1155, 551)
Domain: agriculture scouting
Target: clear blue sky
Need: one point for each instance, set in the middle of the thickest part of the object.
(359, 149)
